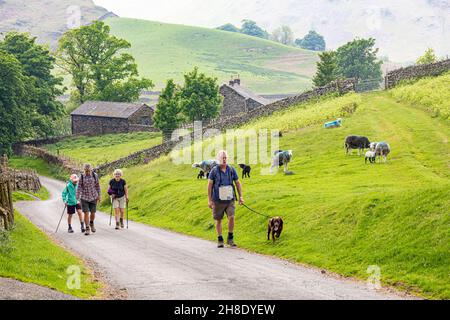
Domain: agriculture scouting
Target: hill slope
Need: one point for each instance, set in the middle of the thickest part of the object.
(339, 213)
(166, 51)
(45, 19)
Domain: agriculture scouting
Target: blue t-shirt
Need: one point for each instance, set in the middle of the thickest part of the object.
(221, 178)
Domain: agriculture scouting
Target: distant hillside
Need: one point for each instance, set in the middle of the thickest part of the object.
(45, 19)
(167, 51)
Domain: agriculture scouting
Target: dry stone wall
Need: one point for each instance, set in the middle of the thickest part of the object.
(414, 72)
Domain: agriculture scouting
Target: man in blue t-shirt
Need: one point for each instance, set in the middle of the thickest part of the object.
(222, 195)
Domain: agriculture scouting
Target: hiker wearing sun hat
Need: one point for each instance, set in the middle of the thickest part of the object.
(70, 199)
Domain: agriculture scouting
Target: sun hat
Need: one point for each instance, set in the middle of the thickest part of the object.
(74, 178)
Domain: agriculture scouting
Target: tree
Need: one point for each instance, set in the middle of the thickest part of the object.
(43, 87)
(283, 35)
(250, 28)
(358, 59)
(199, 97)
(428, 57)
(99, 68)
(14, 119)
(326, 69)
(229, 27)
(312, 41)
(167, 115)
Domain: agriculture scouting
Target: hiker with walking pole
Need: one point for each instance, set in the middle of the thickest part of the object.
(88, 193)
(118, 191)
(70, 200)
(222, 195)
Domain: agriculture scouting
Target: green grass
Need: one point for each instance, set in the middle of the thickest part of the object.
(165, 51)
(30, 256)
(42, 194)
(339, 213)
(431, 94)
(43, 168)
(100, 149)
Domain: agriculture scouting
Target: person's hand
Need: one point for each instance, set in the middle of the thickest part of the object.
(211, 204)
(126, 198)
(241, 200)
(99, 200)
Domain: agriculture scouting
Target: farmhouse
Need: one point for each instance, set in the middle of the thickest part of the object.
(238, 99)
(101, 117)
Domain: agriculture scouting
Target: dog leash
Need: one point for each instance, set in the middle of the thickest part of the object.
(256, 211)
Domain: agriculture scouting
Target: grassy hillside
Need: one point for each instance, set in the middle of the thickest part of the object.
(166, 51)
(45, 19)
(28, 255)
(430, 94)
(339, 213)
(101, 149)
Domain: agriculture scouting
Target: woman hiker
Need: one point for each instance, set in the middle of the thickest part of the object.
(88, 193)
(118, 191)
(70, 199)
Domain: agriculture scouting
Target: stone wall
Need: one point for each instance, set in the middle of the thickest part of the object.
(341, 87)
(413, 72)
(98, 125)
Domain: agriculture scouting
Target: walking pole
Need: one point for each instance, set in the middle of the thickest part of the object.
(127, 213)
(110, 216)
(65, 206)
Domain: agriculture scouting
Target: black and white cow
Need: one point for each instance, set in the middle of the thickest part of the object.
(356, 142)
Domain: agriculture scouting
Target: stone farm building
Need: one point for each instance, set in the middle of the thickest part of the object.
(101, 117)
(238, 99)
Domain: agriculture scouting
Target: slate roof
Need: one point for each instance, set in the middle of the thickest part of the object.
(108, 109)
(245, 93)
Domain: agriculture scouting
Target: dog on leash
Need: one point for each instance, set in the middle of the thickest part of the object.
(275, 227)
(245, 170)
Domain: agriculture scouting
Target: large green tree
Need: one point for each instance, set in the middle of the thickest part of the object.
(326, 69)
(428, 57)
(199, 97)
(99, 68)
(358, 59)
(284, 35)
(43, 87)
(250, 28)
(312, 41)
(14, 118)
(229, 27)
(167, 116)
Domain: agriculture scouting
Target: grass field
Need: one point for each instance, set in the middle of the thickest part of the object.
(42, 194)
(165, 51)
(41, 167)
(340, 214)
(100, 149)
(28, 255)
(430, 94)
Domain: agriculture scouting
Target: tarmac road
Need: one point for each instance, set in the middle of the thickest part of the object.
(156, 264)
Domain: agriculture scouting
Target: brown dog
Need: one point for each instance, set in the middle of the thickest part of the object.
(275, 227)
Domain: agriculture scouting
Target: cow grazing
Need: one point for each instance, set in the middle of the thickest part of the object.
(356, 142)
(382, 150)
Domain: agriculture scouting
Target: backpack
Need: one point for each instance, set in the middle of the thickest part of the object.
(230, 175)
(95, 178)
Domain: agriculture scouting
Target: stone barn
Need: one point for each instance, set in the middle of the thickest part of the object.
(238, 99)
(101, 117)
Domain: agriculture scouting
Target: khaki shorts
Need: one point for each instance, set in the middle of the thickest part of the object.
(119, 203)
(221, 207)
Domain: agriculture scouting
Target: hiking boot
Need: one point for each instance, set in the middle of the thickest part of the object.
(231, 243)
(92, 227)
(117, 226)
(87, 232)
(220, 244)
(121, 223)
(70, 230)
